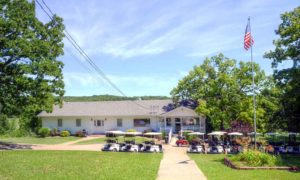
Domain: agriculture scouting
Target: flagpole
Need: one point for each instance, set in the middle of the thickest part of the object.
(253, 91)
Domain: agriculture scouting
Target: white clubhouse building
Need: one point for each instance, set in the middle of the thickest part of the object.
(100, 116)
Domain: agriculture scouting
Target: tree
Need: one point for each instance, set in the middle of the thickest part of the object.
(223, 90)
(287, 48)
(30, 73)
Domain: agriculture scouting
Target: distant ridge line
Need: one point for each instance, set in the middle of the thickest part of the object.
(111, 98)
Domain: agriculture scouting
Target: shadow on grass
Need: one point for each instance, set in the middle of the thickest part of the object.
(10, 146)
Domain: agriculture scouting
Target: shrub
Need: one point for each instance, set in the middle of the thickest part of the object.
(4, 124)
(64, 133)
(163, 134)
(43, 132)
(79, 134)
(256, 158)
(190, 138)
(131, 130)
(54, 132)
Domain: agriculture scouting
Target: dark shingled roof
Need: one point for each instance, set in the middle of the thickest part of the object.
(109, 108)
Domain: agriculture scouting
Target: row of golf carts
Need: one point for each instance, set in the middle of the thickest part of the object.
(223, 142)
(114, 142)
(214, 143)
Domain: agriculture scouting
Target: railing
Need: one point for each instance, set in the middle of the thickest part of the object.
(164, 129)
(192, 127)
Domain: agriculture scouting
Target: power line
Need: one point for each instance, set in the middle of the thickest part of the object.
(84, 54)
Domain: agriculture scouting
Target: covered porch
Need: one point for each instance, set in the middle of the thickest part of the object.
(182, 118)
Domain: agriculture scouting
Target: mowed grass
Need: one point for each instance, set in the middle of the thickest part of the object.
(213, 167)
(38, 140)
(121, 139)
(78, 165)
(99, 140)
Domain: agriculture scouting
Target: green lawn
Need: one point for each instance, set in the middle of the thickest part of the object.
(38, 140)
(213, 167)
(78, 165)
(121, 139)
(92, 141)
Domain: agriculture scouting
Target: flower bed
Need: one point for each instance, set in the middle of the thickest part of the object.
(253, 159)
(229, 163)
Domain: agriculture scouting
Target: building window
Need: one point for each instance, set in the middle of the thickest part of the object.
(191, 121)
(59, 123)
(78, 122)
(141, 122)
(99, 123)
(119, 122)
(168, 121)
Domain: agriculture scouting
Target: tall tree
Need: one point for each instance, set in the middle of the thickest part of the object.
(287, 49)
(30, 73)
(223, 90)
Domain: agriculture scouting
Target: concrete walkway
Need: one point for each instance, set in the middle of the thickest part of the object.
(71, 145)
(176, 165)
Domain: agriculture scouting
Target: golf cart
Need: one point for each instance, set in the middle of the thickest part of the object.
(151, 146)
(215, 144)
(278, 142)
(112, 141)
(129, 142)
(182, 141)
(293, 147)
(196, 145)
(231, 147)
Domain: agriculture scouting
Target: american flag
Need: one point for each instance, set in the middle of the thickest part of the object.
(248, 40)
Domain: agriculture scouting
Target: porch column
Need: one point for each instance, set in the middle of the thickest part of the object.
(181, 123)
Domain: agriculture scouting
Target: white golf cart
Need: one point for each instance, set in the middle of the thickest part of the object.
(195, 145)
(129, 142)
(228, 147)
(216, 143)
(112, 141)
(151, 146)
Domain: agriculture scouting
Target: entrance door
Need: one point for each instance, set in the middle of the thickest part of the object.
(177, 125)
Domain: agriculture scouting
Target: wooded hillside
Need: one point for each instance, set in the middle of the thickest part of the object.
(110, 98)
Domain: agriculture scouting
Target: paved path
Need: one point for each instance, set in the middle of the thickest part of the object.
(176, 165)
(71, 145)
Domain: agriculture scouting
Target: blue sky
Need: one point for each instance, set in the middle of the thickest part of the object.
(145, 47)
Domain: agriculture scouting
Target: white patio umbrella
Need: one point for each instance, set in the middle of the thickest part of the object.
(217, 133)
(235, 134)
